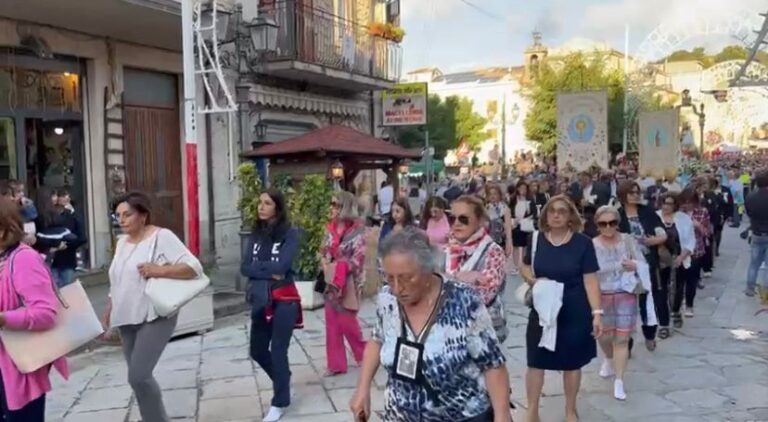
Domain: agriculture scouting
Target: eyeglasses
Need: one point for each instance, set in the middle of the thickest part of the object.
(604, 224)
(402, 280)
(462, 219)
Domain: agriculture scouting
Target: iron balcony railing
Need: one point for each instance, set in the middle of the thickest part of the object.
(315, 36)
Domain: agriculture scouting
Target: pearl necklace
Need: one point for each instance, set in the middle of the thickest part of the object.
(562, 242)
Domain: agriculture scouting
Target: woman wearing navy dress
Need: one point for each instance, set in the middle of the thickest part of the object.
(566, 256)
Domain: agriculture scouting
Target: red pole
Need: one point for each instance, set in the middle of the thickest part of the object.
(190, 125)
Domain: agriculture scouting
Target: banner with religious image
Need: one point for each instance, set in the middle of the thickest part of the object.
(582, 124)
(658, 144)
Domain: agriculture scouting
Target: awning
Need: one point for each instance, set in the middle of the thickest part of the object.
(421, 167)
(154, 23)
(304, 101)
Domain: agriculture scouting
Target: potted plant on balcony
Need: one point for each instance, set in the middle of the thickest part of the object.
(387, 31)
(309, 212)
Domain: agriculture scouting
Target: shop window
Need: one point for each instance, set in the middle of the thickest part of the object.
(39, 90)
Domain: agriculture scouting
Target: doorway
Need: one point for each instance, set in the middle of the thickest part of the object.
(152, 142)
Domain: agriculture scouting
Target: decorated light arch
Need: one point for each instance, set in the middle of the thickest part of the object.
(671, 36)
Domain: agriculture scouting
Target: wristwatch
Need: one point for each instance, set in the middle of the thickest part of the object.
(598, 312)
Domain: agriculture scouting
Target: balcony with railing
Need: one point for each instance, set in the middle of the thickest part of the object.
(318, 47)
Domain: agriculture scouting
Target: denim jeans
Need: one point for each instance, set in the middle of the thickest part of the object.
(759, 254)
(63, 276)
(269, 347)
(33, 411)
(736, 220)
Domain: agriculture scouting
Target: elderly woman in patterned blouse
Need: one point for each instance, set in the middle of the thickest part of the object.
(436, 341)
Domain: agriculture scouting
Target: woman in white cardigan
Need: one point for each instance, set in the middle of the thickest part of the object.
(675, 254)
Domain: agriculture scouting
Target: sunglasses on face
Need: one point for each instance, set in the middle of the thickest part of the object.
(604, 224)
(464, 220)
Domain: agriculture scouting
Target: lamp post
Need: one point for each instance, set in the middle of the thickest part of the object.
(699, 112)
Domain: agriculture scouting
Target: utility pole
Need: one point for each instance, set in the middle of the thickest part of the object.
(504, 138)
(190, 125)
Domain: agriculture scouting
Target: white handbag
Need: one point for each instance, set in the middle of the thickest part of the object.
(168, 295)
(76, 325)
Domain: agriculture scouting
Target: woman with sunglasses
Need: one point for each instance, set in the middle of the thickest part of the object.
(343, 261)
(674, 255)
(475, 259)
(642, 222)
(616, 254)
(566, 256)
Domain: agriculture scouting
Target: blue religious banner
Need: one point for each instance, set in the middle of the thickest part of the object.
(582, 124)
(658, 145)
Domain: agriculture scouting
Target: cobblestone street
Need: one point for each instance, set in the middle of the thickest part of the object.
(714, 369)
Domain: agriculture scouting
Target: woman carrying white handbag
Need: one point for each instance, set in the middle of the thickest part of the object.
(27, 303)
(146, 252)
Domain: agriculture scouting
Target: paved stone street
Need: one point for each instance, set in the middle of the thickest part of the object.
(714, 369)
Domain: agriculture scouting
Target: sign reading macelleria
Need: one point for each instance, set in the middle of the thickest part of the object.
(582, 124)
(405, 105)
(658, 144)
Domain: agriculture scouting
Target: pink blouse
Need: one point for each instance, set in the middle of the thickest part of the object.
(438, 232)
(33, 284)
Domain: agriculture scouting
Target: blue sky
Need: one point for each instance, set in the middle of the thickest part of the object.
(453, 36)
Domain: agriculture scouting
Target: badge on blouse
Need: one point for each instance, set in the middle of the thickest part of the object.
(408, 360)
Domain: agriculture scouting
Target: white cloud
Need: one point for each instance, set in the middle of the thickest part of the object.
(428, 9)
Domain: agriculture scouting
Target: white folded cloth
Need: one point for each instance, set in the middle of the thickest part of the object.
(547, 300)
(629, 282)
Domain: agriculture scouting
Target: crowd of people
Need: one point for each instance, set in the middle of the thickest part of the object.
(596, 254)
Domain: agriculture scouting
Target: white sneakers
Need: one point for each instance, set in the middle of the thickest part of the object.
(606, 369)
(618, 390)
(274, 414)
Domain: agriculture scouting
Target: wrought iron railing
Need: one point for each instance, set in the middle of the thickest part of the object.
(315, 36)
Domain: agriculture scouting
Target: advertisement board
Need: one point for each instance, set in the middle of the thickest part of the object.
(405, 105)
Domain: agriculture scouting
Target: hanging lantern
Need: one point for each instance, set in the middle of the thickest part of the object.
(337, 170)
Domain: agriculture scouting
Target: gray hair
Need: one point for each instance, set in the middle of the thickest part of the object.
(607, 209)
(347, 205)
(412, 242)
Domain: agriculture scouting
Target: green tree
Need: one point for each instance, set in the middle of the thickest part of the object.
(574, 73)
(470, 126)
(449, 121)
(731, 52)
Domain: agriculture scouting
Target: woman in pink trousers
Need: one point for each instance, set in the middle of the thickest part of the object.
(27, 303)
(343, 259)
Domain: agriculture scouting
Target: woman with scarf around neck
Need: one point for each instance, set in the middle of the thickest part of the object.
(343, 260)
(475, 259)
(275, 301)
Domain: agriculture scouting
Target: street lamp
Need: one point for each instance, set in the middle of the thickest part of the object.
(688, 102)
(337, 170)
(263, 32)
